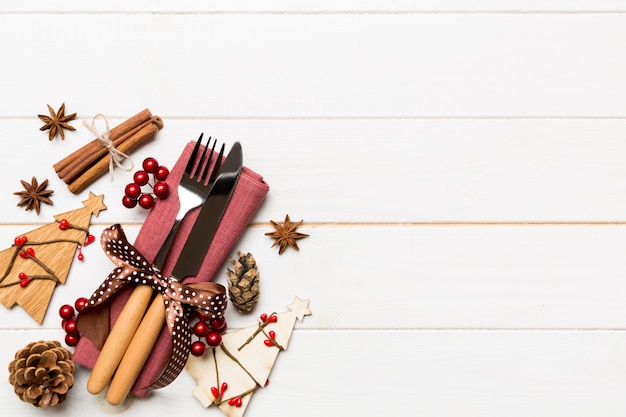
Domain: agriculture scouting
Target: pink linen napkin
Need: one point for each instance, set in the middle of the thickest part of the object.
(245, 201)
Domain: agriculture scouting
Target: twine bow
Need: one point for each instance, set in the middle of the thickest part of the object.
(180, 299)
(116, 157)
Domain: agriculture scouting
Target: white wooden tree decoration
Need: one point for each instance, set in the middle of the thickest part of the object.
(228, 375)
(40, 259)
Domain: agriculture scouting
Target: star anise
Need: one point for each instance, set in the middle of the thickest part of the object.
(34, 195)
(57, 122)
(286, 234)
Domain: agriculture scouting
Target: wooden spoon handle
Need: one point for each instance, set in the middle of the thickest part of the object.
(138, 352)
(119, 339)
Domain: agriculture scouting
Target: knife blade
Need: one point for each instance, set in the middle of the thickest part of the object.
(187, 264)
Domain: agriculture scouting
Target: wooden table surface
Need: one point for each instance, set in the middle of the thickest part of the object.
(460, 169)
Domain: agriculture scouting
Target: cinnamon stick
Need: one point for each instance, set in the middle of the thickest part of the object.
(95, 147)
(88, 157)
(101, 167)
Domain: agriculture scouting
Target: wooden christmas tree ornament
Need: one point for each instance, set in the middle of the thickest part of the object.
(40, 259)
(228, 375)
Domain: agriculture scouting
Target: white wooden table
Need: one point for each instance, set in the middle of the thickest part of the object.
(460, 168)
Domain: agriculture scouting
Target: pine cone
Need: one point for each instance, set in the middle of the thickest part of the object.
(243, 282)
(42, 373)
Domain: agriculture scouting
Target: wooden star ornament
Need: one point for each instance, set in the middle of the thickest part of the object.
(286, 234)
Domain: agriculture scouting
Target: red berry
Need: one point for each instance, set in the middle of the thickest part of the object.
(236, 401)
(214, 339)
(128, 202)
(197, 348)
(24, 282)
(161, 189)
(89, 240)
(71, 327)
(132, 191)
(161, 174)
(29, 251)
(141, 177)
(201, 329)
(219, 325)
(71, 340)
(150, 165)
(64, 224)
(66, 312)
(146, 201)
(22, 275)
(80, 303)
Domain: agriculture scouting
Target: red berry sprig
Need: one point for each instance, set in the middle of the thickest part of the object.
(68, 314)
(134, 193)
(209, 330)
(218, 394)
(236, 401)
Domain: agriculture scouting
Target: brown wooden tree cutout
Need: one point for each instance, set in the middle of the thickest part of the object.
(229, 374)
(41, 258)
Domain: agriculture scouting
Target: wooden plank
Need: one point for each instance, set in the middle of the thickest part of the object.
(450, 373)
(415, 277)
(374, 171)
(436, 373)
(321, 6)
(367, 65)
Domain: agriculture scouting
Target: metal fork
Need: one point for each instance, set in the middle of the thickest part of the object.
(193, 190)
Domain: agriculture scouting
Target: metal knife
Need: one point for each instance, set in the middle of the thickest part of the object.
(187, 264)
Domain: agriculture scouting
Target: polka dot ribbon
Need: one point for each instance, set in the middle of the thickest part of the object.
(180, 300)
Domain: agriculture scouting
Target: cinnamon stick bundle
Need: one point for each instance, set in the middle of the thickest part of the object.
(82, 167)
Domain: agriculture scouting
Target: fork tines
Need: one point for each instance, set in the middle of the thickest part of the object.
(218, 164)
(192, 158)
(207, 164)
(195, 164)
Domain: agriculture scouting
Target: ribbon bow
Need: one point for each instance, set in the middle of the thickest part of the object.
(180, 299)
